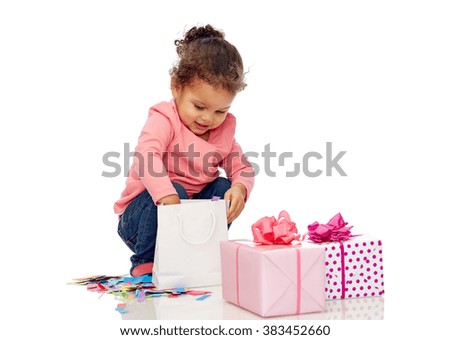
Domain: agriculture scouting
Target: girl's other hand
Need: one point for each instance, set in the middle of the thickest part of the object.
(168, 200)
(236, 195)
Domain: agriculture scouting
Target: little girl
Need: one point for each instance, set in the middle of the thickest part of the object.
(183, 143)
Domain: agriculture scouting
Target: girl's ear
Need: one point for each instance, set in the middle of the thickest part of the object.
(174, 88)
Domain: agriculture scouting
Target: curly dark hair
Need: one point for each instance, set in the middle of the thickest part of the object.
(205, 54)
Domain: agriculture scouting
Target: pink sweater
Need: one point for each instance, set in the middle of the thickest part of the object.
(168, 151)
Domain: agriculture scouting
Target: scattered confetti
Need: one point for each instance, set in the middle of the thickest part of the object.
(136, 289)
(203, 297)
(141, 296)
(121, 310)
(197, 292)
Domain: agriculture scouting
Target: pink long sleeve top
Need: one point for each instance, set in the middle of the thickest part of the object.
(168, 151)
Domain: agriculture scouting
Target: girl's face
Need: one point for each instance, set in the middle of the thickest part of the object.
(201, 106)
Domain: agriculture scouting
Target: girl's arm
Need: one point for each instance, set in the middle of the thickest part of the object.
(241, 174)
(171, 199)
(153, 143)
(238, 169)
(236, 195)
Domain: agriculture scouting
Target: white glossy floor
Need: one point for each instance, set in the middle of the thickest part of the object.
(215, 308)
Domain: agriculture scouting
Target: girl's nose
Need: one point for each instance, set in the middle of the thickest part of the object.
(206, 118)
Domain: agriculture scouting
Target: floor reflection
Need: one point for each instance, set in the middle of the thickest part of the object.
(215, 308)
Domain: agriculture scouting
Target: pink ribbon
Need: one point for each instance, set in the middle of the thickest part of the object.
(237, 275)
(269, 230)
(334, 231)
(342, 270)
(299, 278)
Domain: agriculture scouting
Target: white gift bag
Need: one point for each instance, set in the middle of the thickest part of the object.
(187, 250)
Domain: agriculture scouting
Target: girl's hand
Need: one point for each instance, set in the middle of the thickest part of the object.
(168, 200)
(236, 195)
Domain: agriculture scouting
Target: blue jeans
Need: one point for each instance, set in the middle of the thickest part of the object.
(138, 224)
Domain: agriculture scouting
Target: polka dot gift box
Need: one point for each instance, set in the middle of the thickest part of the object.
(353, 264)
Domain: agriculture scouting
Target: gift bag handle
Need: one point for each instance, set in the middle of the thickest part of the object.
(180, 220)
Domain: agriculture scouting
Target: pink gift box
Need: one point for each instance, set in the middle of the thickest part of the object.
(273, 280)
(354, 268)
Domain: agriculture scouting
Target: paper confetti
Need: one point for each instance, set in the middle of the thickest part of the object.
(203, 297)
(133, 289)
(197, 292)
(141, 296)
(122, 310)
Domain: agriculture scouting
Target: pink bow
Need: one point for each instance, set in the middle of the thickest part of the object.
(335, 230)
(269, 230)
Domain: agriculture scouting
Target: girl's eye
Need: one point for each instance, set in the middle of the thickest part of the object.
(198, 107)
(221, 112)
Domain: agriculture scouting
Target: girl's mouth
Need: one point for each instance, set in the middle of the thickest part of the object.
(201, 126)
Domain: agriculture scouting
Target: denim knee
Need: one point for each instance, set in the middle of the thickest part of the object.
(222, 184)
(181, 191)
(218, 187)
(128, 227)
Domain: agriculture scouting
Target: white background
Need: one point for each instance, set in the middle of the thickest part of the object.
(77, 79)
